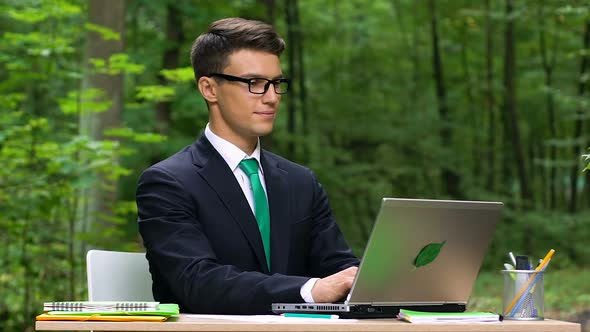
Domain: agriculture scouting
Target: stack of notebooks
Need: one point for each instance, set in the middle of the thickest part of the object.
(447, 317)
(120, 311)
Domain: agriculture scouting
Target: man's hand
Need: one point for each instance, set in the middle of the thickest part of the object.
(333, 288)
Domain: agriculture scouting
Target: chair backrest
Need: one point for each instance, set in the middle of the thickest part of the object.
(115, 275)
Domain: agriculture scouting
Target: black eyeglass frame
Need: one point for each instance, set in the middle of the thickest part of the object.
(249, 81)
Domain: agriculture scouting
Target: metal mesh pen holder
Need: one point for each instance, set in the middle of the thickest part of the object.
(523, 296)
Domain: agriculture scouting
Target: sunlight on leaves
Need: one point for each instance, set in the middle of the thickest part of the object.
(89, 101)
(11, 100)
(117, 64)
(185, 74)
(155, 93)
(47, 9)
(36, 43)
(105, 33)
(129, 133)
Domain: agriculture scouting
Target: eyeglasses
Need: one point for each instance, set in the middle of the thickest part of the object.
(258, 85)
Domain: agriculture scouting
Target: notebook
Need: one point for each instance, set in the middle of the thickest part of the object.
(419, 317)
(99, 305)
(164, 309)
(422, 255)
(123, 313)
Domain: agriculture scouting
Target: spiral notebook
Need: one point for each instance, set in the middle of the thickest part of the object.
(164, 309)
(112, 318)
(76, 306)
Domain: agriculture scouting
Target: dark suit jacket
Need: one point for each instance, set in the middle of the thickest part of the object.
(203, 244)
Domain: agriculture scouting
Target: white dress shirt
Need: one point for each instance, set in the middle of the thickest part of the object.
(233, 156)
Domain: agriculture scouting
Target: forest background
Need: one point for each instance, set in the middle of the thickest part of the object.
(478, 100)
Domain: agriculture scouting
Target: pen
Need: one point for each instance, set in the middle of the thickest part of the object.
(541, 267)
(509, 267)
(523, 263)
(297, 315)
(511, 255)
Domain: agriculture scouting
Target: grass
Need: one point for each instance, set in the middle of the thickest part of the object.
(567, 294)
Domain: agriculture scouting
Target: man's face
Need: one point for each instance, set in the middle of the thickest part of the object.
(242, 116)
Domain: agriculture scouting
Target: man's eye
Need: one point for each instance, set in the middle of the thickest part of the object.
(257, 82)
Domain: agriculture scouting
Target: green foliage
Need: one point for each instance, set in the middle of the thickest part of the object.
(116, 64)
(133, 136)
(43, 10)
(155, 93)
(86, 101)
(534, 233)
(48, 165)
(179, 75)
(41, 180)
(368, 125)
(105, 33)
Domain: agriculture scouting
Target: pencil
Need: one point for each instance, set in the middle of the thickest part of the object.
(541, 267)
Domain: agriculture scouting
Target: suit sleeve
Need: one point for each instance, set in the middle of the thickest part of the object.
(180, 254)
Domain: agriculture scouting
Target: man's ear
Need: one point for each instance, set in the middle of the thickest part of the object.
(208, 88)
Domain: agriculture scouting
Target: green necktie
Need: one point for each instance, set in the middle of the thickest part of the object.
(250, 167)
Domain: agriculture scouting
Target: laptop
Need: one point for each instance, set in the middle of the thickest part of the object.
(422, 255)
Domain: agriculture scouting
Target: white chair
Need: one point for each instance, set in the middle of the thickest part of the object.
(115, 275)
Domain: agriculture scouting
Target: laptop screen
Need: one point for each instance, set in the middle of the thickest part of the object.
(424, 251)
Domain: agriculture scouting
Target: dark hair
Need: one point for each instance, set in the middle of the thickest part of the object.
(211, 50)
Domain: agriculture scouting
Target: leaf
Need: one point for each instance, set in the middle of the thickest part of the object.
(155, 93)
(428, 254)
(184, 74)
(119, 63)
(127, 132)
(89, 100)
(105, 33)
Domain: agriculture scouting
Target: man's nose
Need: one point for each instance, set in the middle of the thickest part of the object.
(270, 96)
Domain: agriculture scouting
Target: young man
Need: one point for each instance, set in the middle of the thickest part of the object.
(229, 227)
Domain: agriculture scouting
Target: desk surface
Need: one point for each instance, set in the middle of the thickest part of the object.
(184, 323)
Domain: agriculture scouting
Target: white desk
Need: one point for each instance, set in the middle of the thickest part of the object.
(186, 323)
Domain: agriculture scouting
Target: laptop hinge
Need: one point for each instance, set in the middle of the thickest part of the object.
(411, 303)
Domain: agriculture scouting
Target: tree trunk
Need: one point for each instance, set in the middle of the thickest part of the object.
(410, 45)
(270, 8)
(109, 14)
(473, 112)
(291, 99)
(490, 100)
(301, 79)
(174, 38)
(450, 177)
(548, 62)
(270, 5)
(577, 138)
(510, 112)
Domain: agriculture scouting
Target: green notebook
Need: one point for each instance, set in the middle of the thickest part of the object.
(164, 309)
(447, 317)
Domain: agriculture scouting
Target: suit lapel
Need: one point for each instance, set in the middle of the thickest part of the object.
(277, 189)
(214, 170)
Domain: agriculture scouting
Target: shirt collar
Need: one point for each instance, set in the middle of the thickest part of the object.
(231, 153)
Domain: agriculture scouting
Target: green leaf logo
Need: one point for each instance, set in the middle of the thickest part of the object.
(428, 254)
